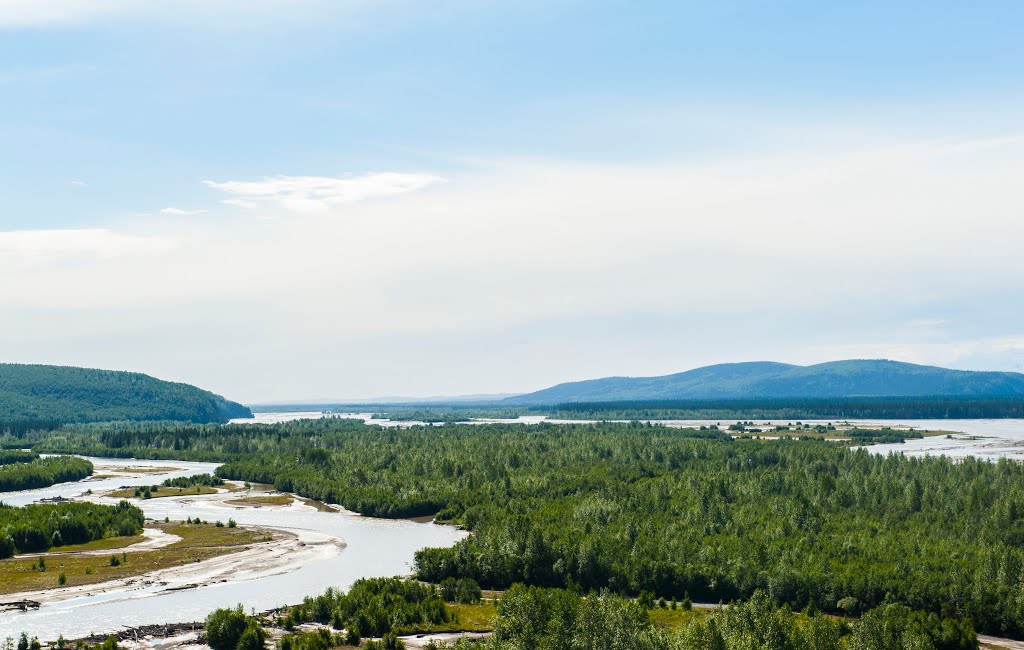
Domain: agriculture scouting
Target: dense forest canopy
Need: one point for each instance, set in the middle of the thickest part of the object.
(767, 380)
(56, 394)
(31, 473)
(39, 527)
(791, 409)
(531, 617)
(631, 507)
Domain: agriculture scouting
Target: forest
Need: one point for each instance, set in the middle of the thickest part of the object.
(788, 409)
(58, 394)
(538, 618)
(38, 527)
(34, 472)
(12, 456)
(531, 617)
(779, 409)
(632, 508)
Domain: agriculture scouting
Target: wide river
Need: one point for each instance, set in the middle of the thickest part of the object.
(364, 547)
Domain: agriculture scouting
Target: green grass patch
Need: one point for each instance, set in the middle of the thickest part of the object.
(129, 493)
(199, 542)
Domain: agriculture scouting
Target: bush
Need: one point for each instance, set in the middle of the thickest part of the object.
(898, 626)
(375, 606)
(848, 605)
(462, 590)
(110, 643)
(253, 638)
(224, 628)
(6, 546)
(388, 642)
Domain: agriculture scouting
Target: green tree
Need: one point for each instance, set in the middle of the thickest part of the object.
(224, 628)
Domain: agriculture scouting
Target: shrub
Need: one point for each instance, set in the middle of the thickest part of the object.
(462, 590)
(228, 629)
(224, 627)
(253, 638)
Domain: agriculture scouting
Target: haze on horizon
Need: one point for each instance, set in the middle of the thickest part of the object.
(350, 198)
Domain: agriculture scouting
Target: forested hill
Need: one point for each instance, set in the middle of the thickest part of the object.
(67, 394)
(763, 379)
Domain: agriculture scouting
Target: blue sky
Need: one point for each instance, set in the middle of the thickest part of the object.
(354, 198)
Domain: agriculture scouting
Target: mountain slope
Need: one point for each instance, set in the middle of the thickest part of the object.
(68, 394)
(853, 378)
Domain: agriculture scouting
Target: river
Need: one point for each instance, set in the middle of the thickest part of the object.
(362, 547)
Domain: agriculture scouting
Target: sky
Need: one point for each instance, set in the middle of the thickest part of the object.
(325, 199)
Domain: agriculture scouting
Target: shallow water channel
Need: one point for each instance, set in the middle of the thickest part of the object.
(340, 548)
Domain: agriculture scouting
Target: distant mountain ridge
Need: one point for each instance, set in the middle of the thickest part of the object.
(69, 394)
(768, 379)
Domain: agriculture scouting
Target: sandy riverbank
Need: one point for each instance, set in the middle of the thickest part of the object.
(288, 550)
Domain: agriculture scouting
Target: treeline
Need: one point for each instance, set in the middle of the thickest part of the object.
(171, 440)
(373, 607)
(633, 508)
(12, 456)
(18, 428)
(530, 617)
(38, 527)
(42, 472)
(536, 618)
(446, 413)
(884, 435)
(794, 409)
(205, 480)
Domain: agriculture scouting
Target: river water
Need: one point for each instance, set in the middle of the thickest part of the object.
(372, 547)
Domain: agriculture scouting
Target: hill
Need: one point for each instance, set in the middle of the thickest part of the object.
(764, 379)
(68, 394)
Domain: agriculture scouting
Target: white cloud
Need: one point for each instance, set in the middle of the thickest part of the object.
(84, 241)
(316, 193)
(50, 12)
(180, 212)
(239, 203)
(530, 272)
(79, 183)
(46, 13)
